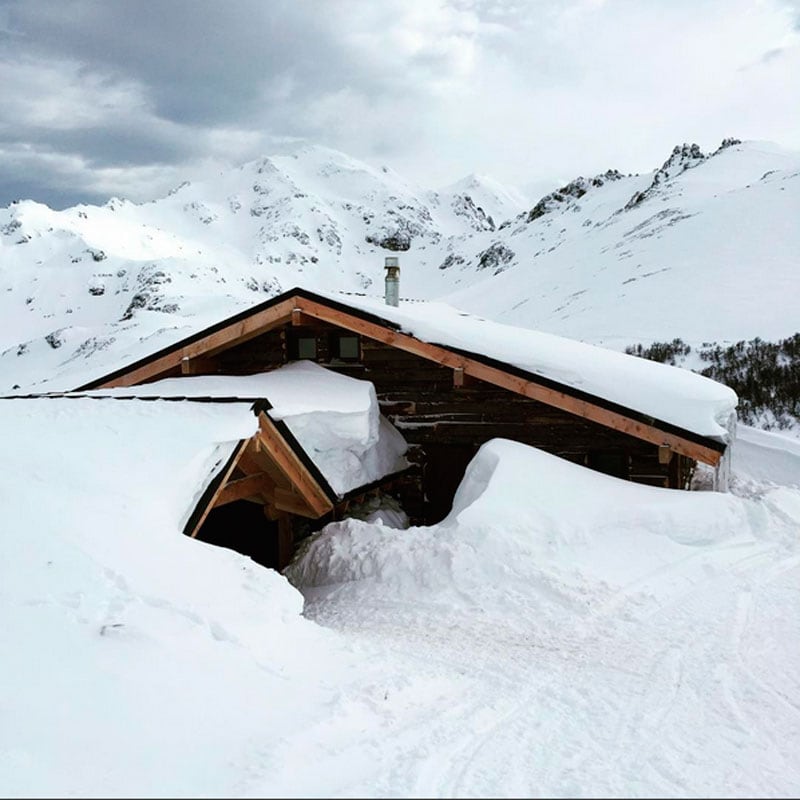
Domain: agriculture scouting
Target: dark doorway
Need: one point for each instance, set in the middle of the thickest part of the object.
(242, 526)
(445, 465)
(610, 462)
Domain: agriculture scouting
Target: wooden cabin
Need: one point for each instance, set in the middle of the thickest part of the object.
(446, 400)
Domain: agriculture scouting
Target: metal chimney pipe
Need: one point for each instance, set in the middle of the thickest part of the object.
(392, 267)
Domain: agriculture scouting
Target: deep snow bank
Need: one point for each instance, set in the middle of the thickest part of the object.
(88, 509)
(530, 529)
(136, 660)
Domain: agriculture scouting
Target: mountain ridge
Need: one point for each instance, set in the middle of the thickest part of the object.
(82, 284)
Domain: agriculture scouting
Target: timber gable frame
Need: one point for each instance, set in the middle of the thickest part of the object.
(299, 306)
(275, 469)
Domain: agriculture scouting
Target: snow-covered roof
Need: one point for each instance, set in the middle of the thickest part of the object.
(658, 394)
(670, 394)
(175, 449)
(334, 418)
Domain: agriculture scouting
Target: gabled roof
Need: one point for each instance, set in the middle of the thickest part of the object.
(655, 402)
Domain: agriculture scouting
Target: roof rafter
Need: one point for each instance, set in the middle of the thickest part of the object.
(222, 337)
(258, 485)
(219, 485)
(272, 442)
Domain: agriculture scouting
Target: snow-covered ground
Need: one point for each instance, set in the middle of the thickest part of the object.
(561, 633)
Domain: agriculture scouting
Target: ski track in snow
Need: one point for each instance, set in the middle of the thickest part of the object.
(616, 703)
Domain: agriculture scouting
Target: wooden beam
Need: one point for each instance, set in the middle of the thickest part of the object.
(402, 341)
(250, 462)
(198, 366)
(291, 502)
(229, 335)
(284, 311)
(251, 486)
(213, 499)
(153, 369)
(300, 319)
(242, 331)
(292, 467)
(498, 377)
(258, 459)
(587, 410)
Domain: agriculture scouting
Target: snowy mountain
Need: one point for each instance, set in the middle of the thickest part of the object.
(612, 259)
(704, 248)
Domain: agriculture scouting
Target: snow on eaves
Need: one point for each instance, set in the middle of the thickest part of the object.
(660, 392)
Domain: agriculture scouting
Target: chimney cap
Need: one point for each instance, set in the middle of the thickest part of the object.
(391, 261)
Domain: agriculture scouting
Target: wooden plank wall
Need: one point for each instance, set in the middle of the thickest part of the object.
(259, 354)
(420, 398)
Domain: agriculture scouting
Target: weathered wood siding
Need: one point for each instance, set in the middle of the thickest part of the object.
(262, 353)
(449, 424)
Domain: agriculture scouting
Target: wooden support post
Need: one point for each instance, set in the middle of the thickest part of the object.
(664, 454)
(285, 540)
(458, 378)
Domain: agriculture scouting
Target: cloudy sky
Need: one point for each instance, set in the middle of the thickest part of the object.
(131, 97)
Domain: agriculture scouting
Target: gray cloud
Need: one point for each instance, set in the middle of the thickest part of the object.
(121, 97)
(201, 60)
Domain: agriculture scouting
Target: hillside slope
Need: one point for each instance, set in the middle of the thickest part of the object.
(705, 248)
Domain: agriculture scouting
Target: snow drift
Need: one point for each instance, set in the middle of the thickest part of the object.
(532, 533)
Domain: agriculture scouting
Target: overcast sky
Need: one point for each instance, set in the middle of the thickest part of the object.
(131, 97)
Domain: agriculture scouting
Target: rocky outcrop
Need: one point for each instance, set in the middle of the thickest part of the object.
(566, 195)
(464, 206)
(683, 157)
(497, 258)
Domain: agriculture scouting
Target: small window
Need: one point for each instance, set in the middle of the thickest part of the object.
(307, 347)
(348, 348)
